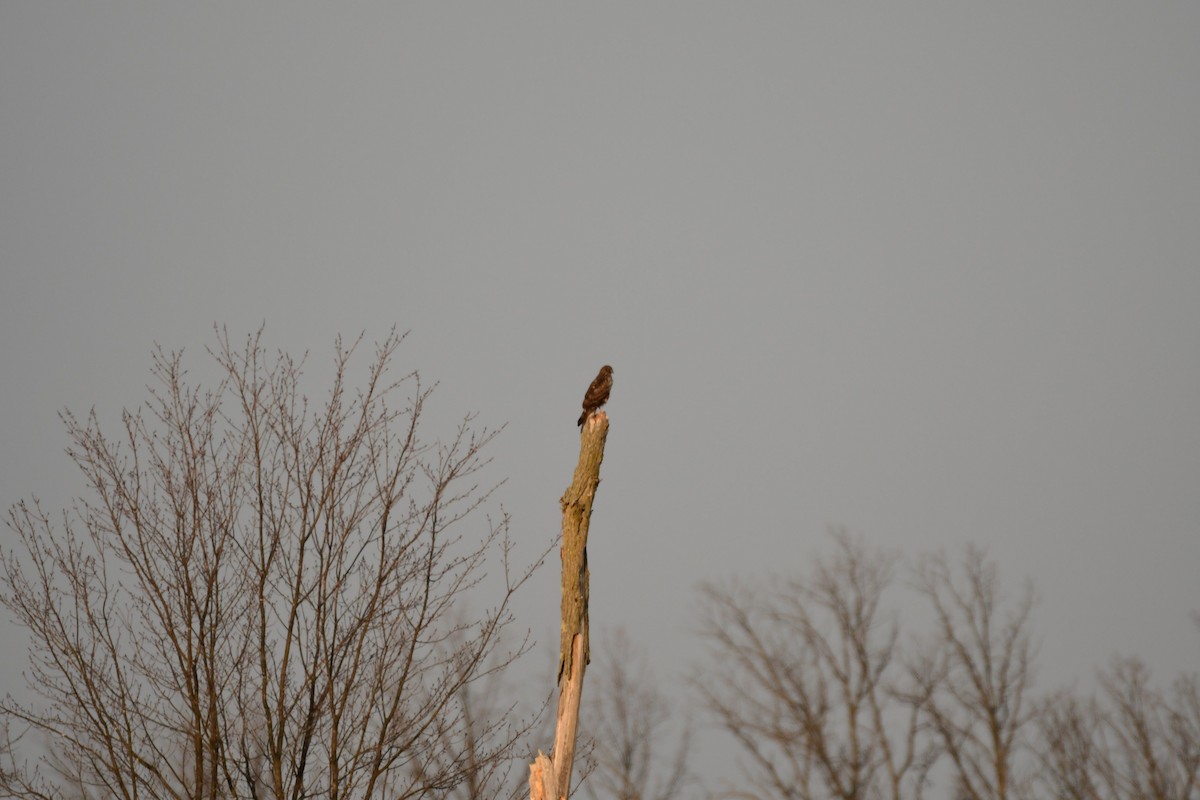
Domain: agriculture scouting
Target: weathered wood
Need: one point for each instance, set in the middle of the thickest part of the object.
(576, 516)
(542, 783)
(574, 647)
(567, 725)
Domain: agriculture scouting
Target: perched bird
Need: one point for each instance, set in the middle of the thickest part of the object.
(597, 394)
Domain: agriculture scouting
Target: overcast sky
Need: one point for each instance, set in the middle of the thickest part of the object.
(929, 271)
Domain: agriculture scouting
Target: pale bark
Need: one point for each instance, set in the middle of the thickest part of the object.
(550, 777)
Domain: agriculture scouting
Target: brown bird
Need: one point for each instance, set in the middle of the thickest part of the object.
(597, 394)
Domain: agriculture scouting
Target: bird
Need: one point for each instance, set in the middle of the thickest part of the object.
(597, 393)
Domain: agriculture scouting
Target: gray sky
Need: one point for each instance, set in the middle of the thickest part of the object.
(929, 271)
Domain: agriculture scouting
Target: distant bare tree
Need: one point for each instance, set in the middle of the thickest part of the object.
(486, 713)
(640, 745)
(258, 596)
(1153, 739)
(804, 674)
(1073, 763)
(1132, 743)
(976, 674)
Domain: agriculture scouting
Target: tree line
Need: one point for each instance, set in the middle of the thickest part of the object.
(262, 595)
(825, 694)
(820, 692)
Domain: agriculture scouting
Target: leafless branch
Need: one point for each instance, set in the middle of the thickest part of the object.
(261, 595)
(804, 676)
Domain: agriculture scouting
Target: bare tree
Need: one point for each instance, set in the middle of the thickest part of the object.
(257, 596)
(804, 675)
(1153, 738)
(1134, 742)
(1073, 763)
(976, 674)
(487, 711)
(640, 744)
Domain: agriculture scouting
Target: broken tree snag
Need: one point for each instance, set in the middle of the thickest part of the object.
(577, 514)
(574, 652)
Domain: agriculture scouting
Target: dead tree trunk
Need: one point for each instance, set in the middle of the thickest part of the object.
(550, 778)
